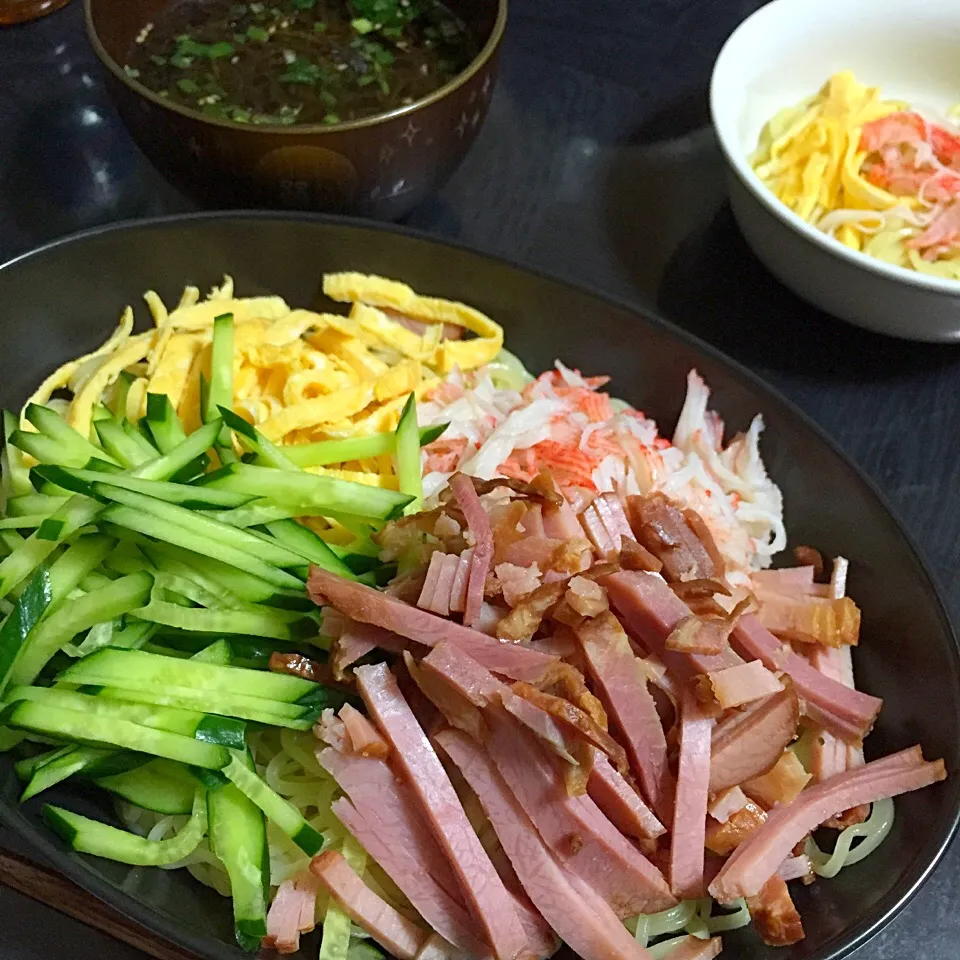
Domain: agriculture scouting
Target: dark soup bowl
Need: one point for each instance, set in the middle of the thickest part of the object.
(379, 166)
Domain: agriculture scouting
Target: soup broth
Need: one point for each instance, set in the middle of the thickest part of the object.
(300, 61)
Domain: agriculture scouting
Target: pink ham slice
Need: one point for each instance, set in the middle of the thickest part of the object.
(830, 754)
(846, 712)
(650, 610)
(540, 723)
(483, 889)
(619, 800)
(291, 913)
(693, 948)
(356, 640)
(795, 868)
(461, 576)
(690, 807)
(581, 918)
(479, 525)
(759, 857)
(392, 930)
(428, 591)
(605, 523)
(367, 605)
(560, 522)
(623, 689)
(384, 818)
(573, 827)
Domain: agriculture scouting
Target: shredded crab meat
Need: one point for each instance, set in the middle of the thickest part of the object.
(563, 422)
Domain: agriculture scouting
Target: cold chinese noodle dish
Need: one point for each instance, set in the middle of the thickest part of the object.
(373, 631)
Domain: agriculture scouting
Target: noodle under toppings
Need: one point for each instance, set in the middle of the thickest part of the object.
(879, 176)
(539, 683)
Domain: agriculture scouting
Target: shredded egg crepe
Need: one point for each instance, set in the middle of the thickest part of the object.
(299, 376)
(876, 175)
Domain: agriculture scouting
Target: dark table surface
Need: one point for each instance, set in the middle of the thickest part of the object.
(597, 163)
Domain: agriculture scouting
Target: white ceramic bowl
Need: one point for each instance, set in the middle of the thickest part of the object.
(785, 52)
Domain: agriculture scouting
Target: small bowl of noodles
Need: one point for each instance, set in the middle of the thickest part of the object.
(840, 126)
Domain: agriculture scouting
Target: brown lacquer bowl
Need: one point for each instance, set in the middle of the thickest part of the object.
(380, 166)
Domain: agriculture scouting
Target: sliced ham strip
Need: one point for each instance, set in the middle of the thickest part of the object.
(384, 818)
(795, 868)
(584, 922)
(757, 859)
(357, 640)
(283, 918)
(790, 581)
(693, 948)
(774, 914)
(650, 610)
(443, 598)
(367, 605)
(620, 801)
(362, 734)
(735, 686)
(749, 743)
(573, 827)
(425, 600)
(392, 930)
(605, 524)
(623, 690)
(479, 525)
(483, 889)
(541, 724)
(458, 589)
(690, 806)
(436, 948)
(635, 557)
(678, 538)
(308, 887)
(723, 805)
(560, 522)
(845, 712)
(456, 710)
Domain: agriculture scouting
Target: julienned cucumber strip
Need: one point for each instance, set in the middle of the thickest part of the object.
(164, 424)
(119, 445)
(14, 473)
(81, 481)
(128, 667)
(252, 439)
(238, 837)
(353, 448)
(95, 730)
(117, 407)
(231, 580)
(166, 465)
(102, 840)
(77, 512)
(274, 623)
(213, 530)
(255, 709)
(219, 651)
(59, 769)
(317, 493)
(189, 539)
(30, 607)
(187, 723)
(46, 450)
(34, 503)
(160, 786)
(67, 620)
(277, 810)
(143, 442)
(298, 537)
(408, 455)
(26, 767)
(220, 388)
(53, 426)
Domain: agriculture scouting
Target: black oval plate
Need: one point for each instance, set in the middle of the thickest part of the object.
(64, 299)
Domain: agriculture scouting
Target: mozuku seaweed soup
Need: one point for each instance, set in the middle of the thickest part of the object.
(300, 61)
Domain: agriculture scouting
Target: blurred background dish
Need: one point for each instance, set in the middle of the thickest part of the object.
(783, 54)
(379, 166)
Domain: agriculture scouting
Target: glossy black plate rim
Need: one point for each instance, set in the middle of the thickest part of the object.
(858, 934)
